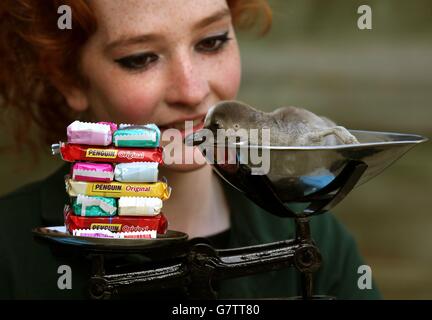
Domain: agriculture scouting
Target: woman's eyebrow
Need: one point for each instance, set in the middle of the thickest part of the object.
(219, 15)
(130, 40)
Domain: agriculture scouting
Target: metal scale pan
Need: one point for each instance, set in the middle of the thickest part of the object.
(303, 174)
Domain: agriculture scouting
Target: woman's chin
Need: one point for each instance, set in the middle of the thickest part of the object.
(190, 159)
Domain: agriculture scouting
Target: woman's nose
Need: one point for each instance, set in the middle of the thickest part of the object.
(188, 85)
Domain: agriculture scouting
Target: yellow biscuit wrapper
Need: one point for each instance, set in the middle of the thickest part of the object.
(117, 189)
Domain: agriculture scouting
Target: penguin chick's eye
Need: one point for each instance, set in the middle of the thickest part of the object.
(219, 124)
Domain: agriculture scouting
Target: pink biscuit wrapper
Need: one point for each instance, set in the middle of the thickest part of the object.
(87, 171)
(90, 133)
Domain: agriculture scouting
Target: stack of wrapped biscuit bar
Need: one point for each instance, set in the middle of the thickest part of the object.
(113, 184)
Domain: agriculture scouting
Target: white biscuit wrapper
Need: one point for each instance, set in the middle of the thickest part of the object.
(139, 206)
(136, 172)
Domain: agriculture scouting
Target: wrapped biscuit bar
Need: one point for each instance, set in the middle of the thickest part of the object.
(96, 134)
(139, 206)
(74, 152)
(116, 189)
(150, 234)
(136, 172)
(93, 233)
(87, 171)
(115, 224)
(144, 136)
(94, 206)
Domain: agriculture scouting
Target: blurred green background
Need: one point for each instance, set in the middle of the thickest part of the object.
(381, 79)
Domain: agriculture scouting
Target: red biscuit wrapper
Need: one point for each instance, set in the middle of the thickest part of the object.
(76, 152)
(115, 224)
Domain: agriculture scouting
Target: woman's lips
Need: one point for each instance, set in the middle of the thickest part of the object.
(181, 125)
(185, 127)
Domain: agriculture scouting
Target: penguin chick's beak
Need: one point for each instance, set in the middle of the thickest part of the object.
(195, 139)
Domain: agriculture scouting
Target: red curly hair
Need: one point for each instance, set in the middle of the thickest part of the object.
(35, 54)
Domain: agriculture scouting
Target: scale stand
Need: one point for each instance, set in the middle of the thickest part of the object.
(197, 267)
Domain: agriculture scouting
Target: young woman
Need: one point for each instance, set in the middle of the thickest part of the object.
(140, 61)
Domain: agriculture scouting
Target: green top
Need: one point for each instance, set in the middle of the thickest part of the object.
(28, 268)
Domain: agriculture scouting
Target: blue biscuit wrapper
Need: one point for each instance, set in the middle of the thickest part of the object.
(142, 136)
(94, 206)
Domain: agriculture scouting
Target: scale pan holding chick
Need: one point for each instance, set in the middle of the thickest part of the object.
(291, 162)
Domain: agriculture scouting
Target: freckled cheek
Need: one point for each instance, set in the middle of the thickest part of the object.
(133, 102)
(228, 78)
(232, 84)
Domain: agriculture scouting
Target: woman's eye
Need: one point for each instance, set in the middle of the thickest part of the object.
(137, 61)
(213, 44)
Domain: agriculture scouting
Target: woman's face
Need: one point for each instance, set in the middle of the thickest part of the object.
(158, 61)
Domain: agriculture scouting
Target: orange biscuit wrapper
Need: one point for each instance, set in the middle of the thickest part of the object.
(115, 189)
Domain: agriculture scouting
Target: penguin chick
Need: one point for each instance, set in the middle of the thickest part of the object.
(289, 126)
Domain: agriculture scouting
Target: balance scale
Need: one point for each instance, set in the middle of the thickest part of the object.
(315, 178)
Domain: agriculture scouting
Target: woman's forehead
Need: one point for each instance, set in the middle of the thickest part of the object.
(118, 19)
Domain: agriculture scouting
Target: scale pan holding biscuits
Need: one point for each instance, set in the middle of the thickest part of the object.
(59, 235)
